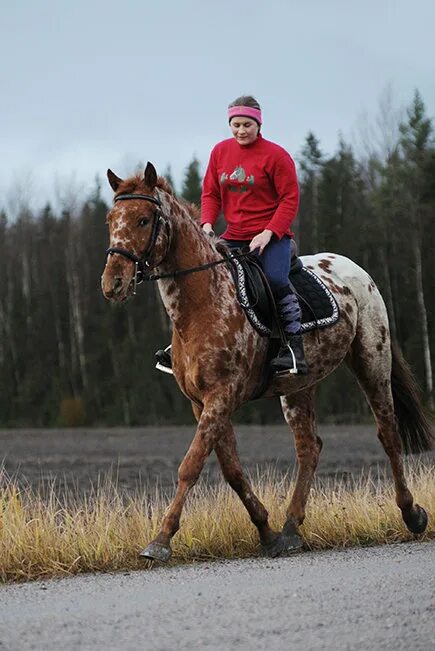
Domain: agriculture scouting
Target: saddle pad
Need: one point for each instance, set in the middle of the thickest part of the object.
(318, 305)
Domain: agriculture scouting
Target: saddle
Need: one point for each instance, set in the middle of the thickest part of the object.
(318, 305)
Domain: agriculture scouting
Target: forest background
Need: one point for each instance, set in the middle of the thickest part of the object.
(68, 357)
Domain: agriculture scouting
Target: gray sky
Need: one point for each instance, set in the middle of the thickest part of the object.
(87, 85)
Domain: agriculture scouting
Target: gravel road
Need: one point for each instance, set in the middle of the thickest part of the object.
(374, 598)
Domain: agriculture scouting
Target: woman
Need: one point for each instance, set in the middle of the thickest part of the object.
(253, 182)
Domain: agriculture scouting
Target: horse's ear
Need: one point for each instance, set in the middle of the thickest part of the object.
(150, 176)
(114, 180)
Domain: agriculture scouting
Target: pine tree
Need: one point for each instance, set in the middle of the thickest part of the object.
(308, 225)
(191, 190)
(344, 218)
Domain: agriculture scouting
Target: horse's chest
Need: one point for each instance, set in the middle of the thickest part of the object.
(217, 361)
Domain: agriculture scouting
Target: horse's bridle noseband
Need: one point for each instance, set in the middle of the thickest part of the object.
(142, 263)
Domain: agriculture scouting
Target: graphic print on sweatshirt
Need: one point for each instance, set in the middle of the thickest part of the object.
(238, 181)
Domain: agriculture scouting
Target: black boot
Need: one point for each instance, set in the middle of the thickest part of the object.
(164, 361)
(291, 358)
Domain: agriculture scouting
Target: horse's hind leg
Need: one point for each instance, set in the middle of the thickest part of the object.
(226, 451)
(299, 413)
(370, 360)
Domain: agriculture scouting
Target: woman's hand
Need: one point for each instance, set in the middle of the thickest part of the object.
(261, 240)
(208, 228)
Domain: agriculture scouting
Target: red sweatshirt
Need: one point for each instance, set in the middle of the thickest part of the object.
(254, 185)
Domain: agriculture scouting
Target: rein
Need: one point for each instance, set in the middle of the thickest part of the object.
(142, 263)
(190, 270)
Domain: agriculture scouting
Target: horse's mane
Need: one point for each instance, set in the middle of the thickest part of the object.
(136, 183)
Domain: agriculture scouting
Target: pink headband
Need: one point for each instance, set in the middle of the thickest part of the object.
(245, 111)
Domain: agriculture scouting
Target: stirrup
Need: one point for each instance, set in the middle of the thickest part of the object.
(293, 370)
(162, 367)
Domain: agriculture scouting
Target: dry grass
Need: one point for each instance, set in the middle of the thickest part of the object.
(63, 535)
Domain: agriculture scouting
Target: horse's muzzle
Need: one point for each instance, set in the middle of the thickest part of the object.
(116, 288)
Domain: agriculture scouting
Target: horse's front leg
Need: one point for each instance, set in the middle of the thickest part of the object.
(213, 423)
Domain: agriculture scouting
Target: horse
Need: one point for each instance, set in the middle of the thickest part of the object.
(218, 357)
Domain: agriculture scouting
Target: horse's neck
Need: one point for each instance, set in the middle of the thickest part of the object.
(187, 297)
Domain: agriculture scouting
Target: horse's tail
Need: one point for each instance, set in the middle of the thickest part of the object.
(415, 429)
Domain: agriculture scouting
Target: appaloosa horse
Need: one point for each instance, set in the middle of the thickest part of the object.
(218, 357)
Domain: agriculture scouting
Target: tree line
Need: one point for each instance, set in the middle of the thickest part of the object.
(68, 357)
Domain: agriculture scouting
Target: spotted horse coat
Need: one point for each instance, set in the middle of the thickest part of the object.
(217, 357)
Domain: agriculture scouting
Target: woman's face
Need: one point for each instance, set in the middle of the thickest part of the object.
(244, 130)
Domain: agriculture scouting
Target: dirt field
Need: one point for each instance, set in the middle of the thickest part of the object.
(146, 456)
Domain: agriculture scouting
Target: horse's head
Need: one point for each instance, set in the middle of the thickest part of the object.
(139, 233)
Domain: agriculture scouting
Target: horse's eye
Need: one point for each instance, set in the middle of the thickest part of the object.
(144, 221)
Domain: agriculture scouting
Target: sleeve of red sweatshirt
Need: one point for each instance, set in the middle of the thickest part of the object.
(287, 188)
(211, 197)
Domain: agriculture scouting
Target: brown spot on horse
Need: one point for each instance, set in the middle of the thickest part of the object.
(325, 265)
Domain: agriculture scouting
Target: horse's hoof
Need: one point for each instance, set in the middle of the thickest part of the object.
(292, 543)
(274, 548)
(416, 520)
(283, 545)
(157, 552)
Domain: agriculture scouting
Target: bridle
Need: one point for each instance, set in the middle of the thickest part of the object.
(142, 263)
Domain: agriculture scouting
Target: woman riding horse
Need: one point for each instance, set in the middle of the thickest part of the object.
(253, 181)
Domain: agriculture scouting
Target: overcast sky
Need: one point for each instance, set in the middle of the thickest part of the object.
(87, 85)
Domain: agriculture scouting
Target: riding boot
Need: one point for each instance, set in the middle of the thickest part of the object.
(291, 356)
(164, 360)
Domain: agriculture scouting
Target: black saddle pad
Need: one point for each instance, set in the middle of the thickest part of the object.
(318, 305)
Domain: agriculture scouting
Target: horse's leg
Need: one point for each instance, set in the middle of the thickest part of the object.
(299, 413)
(226, 451)
(370, 360)
(213, 423)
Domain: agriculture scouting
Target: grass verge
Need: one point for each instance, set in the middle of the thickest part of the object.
(61, 535)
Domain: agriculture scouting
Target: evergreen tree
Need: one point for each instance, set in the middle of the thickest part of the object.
(344, 208)
(191, 190)
(307, 226)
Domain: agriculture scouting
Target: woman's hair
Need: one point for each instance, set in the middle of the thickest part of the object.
(245, 100)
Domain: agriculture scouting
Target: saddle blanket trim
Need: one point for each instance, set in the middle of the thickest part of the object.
(325, 321)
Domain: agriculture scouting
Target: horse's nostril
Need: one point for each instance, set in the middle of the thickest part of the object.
(117, 285)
